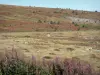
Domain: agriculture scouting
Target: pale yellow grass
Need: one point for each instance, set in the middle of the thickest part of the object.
(84, 45)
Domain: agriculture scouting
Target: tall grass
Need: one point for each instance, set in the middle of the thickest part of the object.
(13, 65)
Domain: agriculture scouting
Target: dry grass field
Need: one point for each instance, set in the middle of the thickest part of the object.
(83, 45)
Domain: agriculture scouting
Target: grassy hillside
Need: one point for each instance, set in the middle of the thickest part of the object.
(21, 18)
(26, 50)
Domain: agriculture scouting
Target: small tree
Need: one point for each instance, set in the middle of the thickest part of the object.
(51, 22)
(39, 21)
(96, 11)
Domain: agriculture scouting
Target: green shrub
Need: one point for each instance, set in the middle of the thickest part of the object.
(54, 22)
(14, 67)
(39, 21)
(0, 72)
(84, 25)
(76, 24)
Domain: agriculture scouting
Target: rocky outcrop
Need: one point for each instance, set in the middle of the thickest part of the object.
(84, 20)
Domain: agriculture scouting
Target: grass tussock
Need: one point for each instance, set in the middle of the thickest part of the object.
(56, 49)
(13, 65)
(70, 49)
(47, 57)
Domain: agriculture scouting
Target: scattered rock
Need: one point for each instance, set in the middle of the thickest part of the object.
(48, 35)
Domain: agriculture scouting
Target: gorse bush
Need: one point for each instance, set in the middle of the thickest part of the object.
(15, 66)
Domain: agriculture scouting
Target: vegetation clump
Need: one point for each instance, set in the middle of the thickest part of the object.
(15, 66)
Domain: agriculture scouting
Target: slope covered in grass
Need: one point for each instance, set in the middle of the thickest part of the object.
(22, 18)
